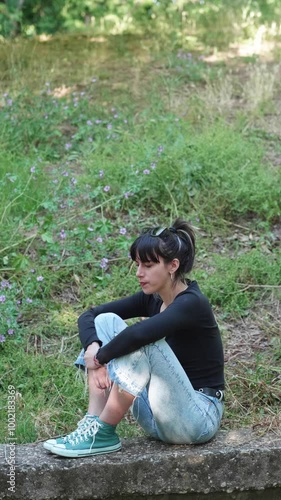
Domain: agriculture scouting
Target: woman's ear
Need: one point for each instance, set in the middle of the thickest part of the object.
(174, 265)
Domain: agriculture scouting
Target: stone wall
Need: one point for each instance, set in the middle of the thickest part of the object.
(233, 461)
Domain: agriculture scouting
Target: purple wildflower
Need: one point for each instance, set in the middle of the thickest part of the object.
(2, 338)
(153, 165)
(65, 173)
(10, 331)
(39, 278)
(73, 181)
(127, 194)
(2, 298)
(106, 188)
(32, 170)
(68, 146)
(89, 122)
(146, 171)
(101, 174)
(62, 237)
(103, 263)
(98, 121)
(5, 284)
(109, 126)
(123, 230)
(28, 300)
(99, 239)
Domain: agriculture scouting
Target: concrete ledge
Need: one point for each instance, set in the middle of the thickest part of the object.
(233, 461)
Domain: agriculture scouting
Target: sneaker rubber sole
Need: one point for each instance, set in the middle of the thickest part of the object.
(82, 453)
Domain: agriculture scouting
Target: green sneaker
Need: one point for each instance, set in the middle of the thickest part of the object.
(96, 438)
(82, 425)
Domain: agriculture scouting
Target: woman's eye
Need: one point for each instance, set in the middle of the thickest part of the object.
(144, 264)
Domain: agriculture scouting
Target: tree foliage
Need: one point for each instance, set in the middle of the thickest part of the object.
(213, 16)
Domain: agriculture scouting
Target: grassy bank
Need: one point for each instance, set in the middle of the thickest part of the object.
(100, 138)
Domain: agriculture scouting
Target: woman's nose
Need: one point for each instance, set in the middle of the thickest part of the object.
(139, 271)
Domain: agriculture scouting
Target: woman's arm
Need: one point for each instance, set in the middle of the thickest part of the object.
(178, 317)
(130, 307)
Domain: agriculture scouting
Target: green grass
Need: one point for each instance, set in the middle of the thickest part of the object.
(235, 283)
(92, 143)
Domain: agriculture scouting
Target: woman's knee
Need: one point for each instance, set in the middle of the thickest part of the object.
(105, 317)
(108, 325)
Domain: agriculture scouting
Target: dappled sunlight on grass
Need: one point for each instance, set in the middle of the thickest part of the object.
(62, 91)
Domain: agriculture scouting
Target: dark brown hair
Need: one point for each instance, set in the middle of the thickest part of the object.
(175, 242)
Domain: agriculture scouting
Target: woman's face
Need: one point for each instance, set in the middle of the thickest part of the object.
(154, 277)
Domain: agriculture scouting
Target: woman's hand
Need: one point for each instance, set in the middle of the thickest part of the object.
(101, 378)
(89, 356)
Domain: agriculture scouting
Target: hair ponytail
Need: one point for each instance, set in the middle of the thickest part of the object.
(186, 234)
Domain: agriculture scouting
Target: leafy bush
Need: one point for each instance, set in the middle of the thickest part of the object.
(218, 22)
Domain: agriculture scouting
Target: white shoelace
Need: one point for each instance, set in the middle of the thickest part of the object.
(83, 434)
(83, 424)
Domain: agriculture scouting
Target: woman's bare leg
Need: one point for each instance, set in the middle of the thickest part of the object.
(97, 397)
(118, 403)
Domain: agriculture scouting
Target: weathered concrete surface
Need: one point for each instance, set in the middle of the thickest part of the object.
(233, 461)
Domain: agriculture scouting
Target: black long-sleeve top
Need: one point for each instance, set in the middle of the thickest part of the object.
(187, 324)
